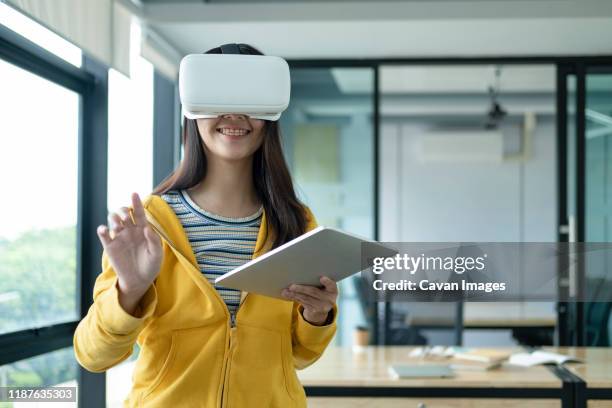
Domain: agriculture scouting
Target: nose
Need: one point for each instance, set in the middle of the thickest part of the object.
(234, 116)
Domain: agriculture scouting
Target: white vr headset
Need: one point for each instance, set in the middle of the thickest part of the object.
(211, 85)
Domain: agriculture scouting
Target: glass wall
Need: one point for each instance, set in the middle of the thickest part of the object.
(598, 134)
(328, 138)
(598, 205)
(440, 183)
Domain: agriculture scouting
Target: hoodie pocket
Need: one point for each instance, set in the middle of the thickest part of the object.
(191, 368)
(168, 361)
(259, 369)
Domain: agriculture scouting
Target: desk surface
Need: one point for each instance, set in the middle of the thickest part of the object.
(597, 368)
(341, 367)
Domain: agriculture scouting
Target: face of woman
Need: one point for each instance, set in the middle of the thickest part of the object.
(231, 136)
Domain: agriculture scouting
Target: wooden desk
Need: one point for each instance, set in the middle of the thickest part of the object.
(344, 378)
(596, 373)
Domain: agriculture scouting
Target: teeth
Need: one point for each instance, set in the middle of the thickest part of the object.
(234, 132)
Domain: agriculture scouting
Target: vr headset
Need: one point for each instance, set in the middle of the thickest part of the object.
(211, 85)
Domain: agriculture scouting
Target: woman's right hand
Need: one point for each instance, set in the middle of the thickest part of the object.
(134, 250)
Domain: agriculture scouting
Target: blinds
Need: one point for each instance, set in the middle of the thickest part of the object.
(164, 56)
(101, 28)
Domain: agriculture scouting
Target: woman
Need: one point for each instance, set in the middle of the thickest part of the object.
(231, 199)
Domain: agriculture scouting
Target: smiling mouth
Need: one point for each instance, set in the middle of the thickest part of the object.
(233, 132)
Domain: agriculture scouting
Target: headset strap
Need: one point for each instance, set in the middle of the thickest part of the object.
(230, 49)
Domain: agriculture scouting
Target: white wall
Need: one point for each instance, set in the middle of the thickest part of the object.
(508, 201)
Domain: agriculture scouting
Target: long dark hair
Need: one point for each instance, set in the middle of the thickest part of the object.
(285, 214)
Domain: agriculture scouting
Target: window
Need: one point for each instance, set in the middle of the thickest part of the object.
(130, 129)
(130, 166)
(58, 368)
(38, 163)
(49, 113)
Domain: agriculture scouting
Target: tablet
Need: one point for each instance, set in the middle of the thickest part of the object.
(321, 251)
(399, 371)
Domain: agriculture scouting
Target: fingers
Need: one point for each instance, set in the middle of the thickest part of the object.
(126, 217)
(314, 299)
(308, 301)
(329, 284)
(315, 303)
(115, 224)
(318, 299)
(329, 292)
(104, 235)
(311, 291)
(139, 213)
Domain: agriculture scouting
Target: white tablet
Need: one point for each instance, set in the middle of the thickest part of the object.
(321, 251)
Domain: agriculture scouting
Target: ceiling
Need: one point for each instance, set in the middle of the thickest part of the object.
(441, 92)
(424, 91)
(385, 29)
(298, 1)
(360, 29)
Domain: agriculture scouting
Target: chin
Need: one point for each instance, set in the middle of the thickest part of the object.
(234, 156)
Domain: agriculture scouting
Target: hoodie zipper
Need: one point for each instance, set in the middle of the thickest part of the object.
(226, 369)
(230, 352)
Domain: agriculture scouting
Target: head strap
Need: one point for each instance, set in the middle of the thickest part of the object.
(230, 49)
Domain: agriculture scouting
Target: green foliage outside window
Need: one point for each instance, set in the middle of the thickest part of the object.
(38, 288)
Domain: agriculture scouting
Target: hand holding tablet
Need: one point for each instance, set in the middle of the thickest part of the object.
(317, 302)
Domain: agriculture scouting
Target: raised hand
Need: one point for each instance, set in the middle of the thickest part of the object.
(134, 251)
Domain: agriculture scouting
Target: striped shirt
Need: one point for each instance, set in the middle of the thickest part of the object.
(220, 244)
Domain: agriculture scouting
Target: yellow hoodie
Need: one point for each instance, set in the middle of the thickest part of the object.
(190, 356)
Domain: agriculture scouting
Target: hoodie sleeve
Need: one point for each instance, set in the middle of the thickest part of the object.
(309, 341)
(106, 335)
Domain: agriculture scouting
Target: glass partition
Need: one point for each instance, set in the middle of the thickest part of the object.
(441, 181)
(328, 138)
(598, 208)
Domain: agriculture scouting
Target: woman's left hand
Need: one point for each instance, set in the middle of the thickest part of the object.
(317, 302)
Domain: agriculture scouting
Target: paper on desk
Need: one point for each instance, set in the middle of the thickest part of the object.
(539, 357)
(435, 351)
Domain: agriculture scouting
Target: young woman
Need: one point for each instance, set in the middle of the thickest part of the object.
(230, 200)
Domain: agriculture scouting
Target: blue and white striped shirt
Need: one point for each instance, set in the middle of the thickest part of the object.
(220, 244)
